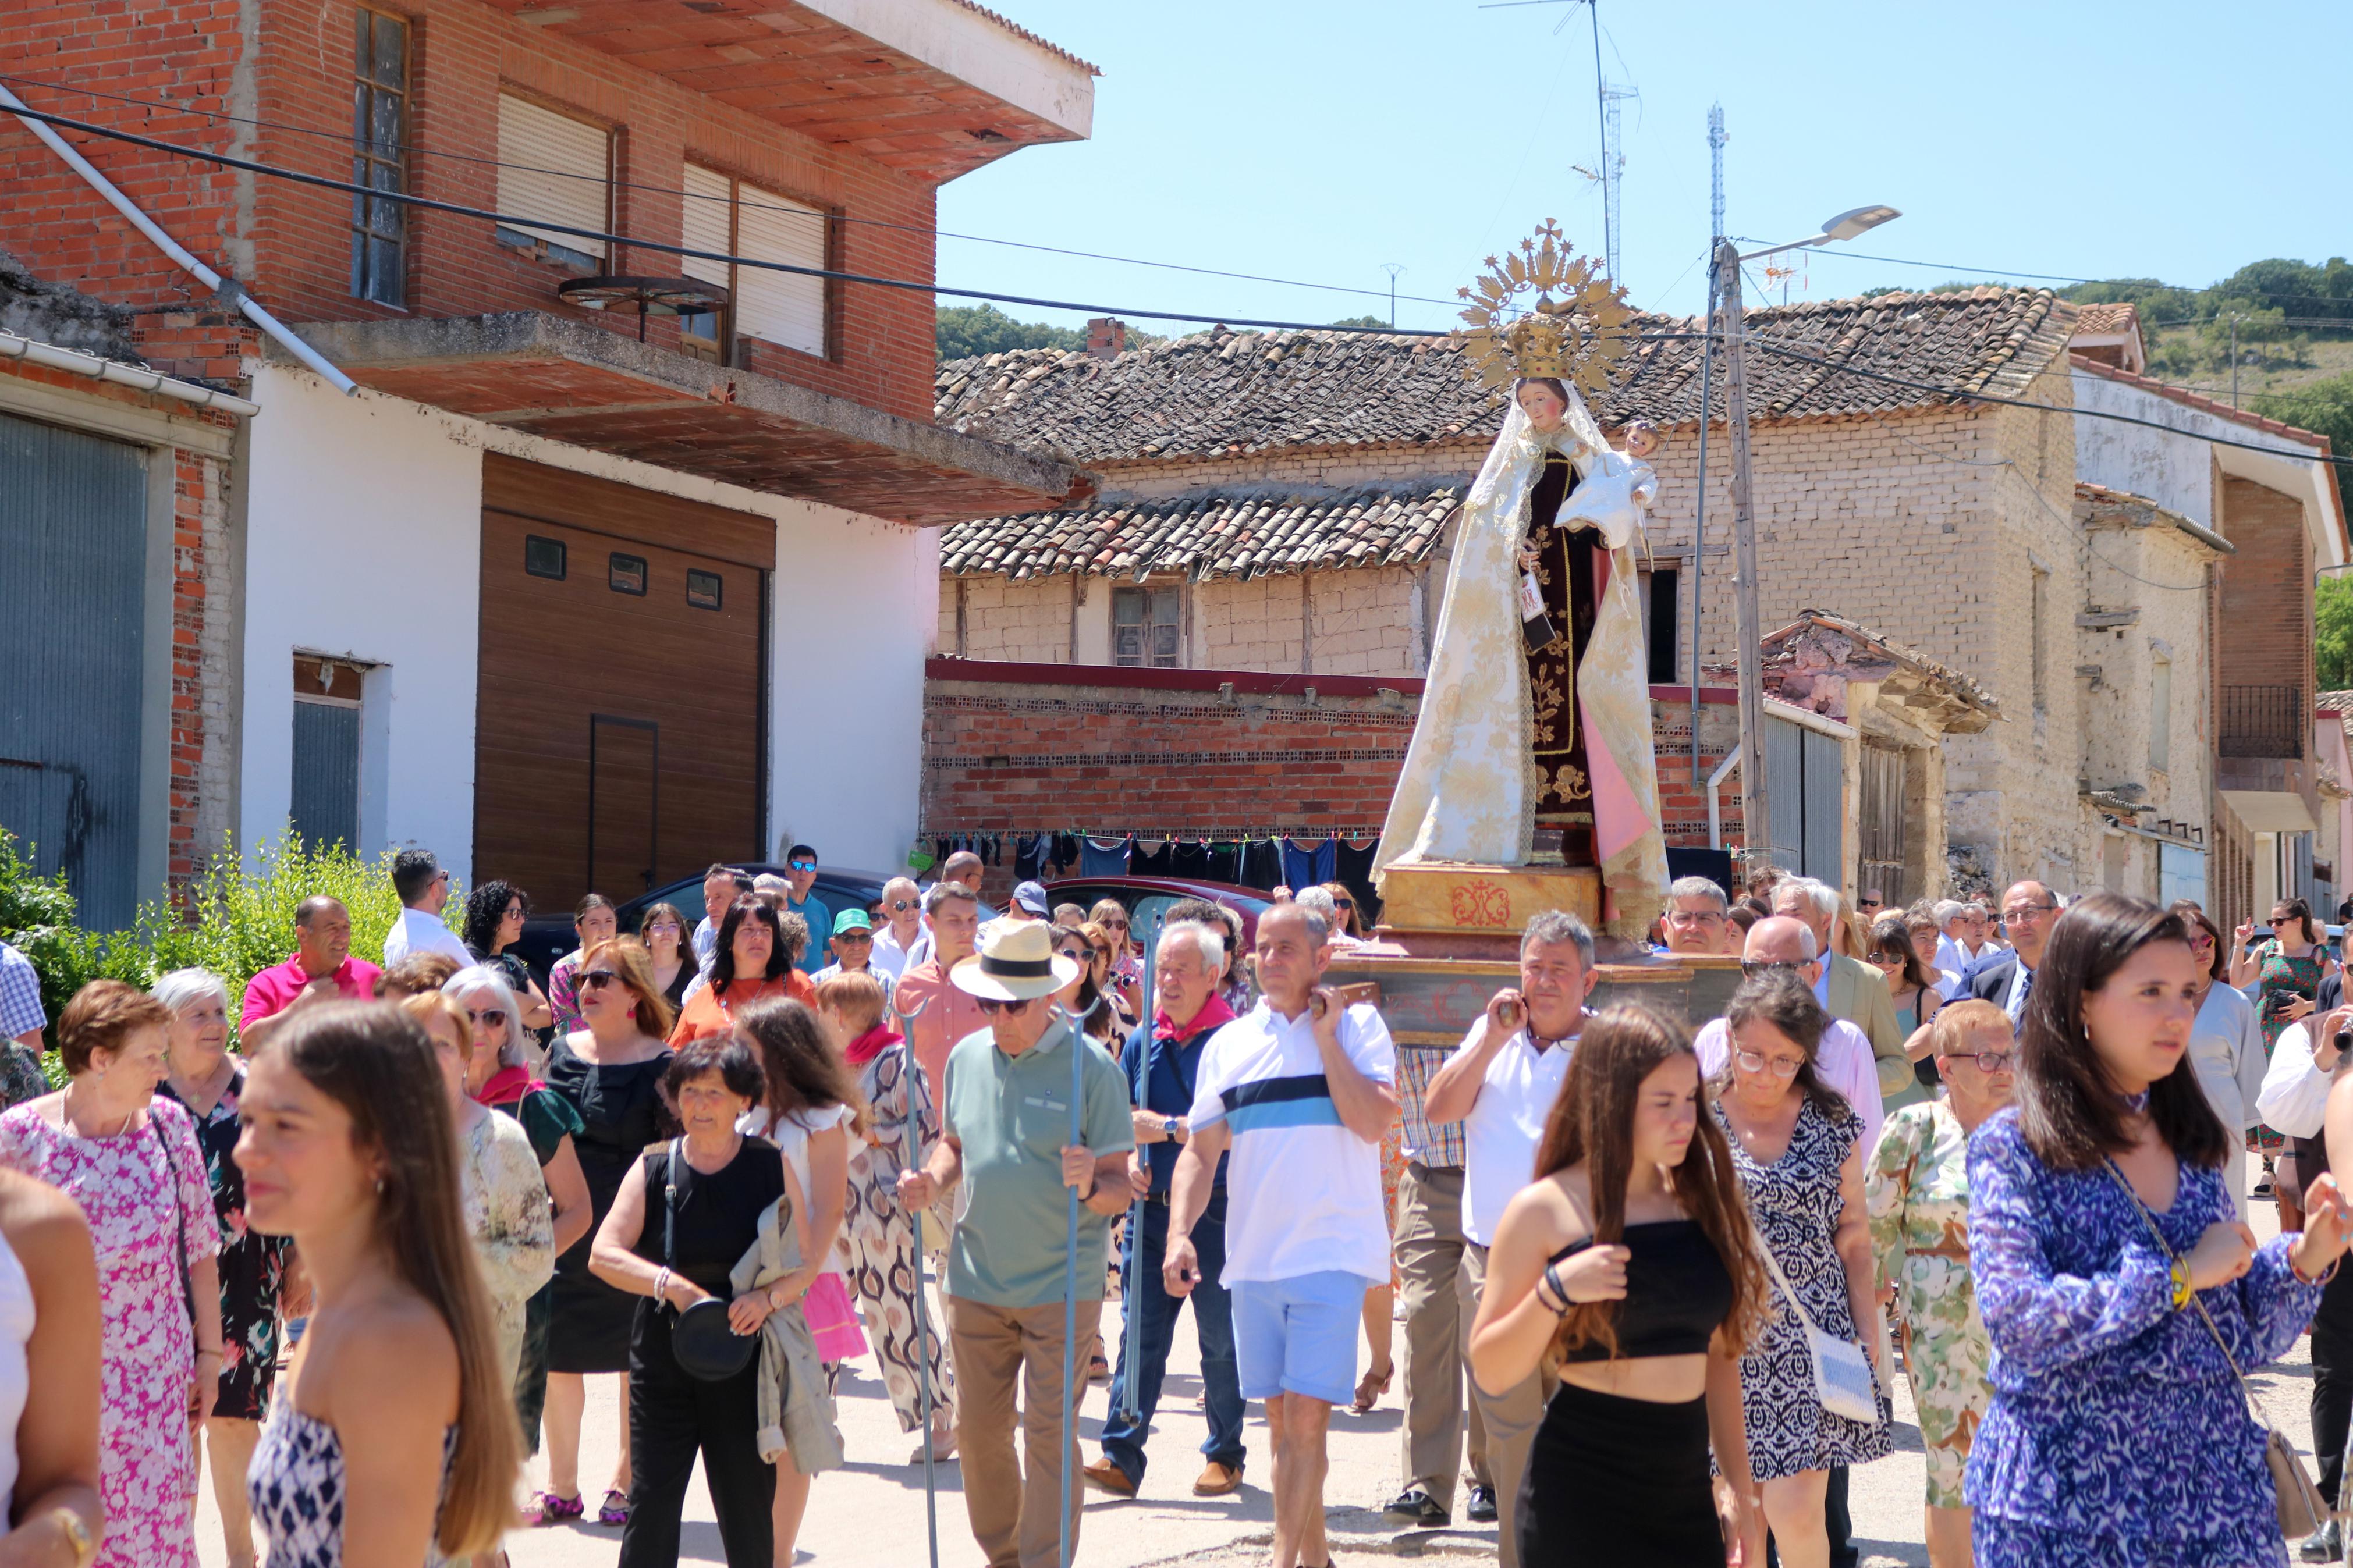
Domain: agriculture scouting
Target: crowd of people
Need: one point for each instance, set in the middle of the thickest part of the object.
(361, 1253)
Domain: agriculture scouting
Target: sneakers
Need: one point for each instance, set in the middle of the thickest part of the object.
(1109, 1479)
(1482, 1509)
(1416, 1504)
(1218, 1479)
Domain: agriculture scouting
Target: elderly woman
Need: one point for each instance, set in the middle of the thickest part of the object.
(1918, 1195)
(1795, 1145)
(753, 962)
(496, 1077)
(208, 1081)
(130, 1158)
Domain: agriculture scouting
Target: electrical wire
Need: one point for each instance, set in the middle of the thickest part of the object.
(413, 150)
(1846, 255)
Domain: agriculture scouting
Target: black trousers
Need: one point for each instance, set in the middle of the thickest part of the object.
(673, 1417)
(2332, 1348)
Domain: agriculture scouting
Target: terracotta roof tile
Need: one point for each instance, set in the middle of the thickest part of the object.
(1223, 392)
(1226, 533)
(2103, 320)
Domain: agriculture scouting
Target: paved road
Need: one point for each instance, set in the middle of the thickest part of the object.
(870, 1514)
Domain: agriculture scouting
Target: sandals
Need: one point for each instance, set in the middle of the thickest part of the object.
(1371, 1387)
(614, 1509)
(546, 1508)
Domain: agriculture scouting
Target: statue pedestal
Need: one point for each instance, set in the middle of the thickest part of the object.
(1448, 909)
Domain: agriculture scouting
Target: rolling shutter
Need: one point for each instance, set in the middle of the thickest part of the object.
(553, 168)
(705, 225)
(783, 308)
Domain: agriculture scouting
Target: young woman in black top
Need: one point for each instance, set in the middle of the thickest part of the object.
(1629, 1263)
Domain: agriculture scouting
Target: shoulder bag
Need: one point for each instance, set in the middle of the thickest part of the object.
(1842, 1375)
(180, 1221)
(2301, 1509)
(702, 1342)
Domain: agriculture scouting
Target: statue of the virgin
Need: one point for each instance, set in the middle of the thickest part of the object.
(1535, 713)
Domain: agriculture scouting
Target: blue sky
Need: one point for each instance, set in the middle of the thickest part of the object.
(1303, 140)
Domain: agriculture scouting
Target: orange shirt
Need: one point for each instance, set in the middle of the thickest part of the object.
(707, 1012)
(952, 1014)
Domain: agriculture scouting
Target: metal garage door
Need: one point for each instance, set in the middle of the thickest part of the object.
(73, 554)
(1807, 784)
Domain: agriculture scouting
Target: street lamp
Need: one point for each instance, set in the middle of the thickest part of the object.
(1755, 808)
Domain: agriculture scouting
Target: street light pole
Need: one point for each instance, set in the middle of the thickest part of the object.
(1755, 806)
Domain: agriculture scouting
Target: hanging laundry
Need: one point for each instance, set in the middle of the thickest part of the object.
(1066, 853)
(1225, 862)
(1151, 858)
(1352, 868)
(1262, 865)
(1105, 857)
(1029, 856)
(1306, 865)
(1190, 861)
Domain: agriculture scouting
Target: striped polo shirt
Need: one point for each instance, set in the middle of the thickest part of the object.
(1303, 1193)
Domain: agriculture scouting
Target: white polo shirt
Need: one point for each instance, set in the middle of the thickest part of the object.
(417, 931)
(1304, 1192)
(1506, 1124)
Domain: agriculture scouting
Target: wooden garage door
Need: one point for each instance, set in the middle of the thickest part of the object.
(621, 730)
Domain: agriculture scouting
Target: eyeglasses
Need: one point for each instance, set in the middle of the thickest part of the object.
(992, 1007)
(660, 926)
(597, 979)
(1987, 1061)
(1757, 968)
(495, 1017)
(1344, 903)
(2026, 912)
(800, 865)
(855, 936)
(902, 905)
(1869, 904)
(2199, 939)
(1075, 954)
(1695, 917)
(514, 912)
(1115, 925)
(1755, 1062)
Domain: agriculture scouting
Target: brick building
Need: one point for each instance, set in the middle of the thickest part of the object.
(1266, 501)
(547, 592)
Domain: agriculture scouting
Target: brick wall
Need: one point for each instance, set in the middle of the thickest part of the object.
(2267, 600)
(289, 63)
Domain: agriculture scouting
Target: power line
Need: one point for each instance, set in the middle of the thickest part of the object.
(413, 150)
(460, 210)
(1846, 255)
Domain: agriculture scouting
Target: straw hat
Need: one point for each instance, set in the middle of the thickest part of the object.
(1015, 964)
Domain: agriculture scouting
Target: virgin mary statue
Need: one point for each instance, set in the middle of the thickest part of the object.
(1535, 713)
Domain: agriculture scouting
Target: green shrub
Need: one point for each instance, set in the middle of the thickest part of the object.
(236, 920)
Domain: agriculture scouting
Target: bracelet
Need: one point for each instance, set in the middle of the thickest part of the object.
(2182, 1292)
(661, 1285)
(215, 1351)
(2325, 1275)
(1549, 1278)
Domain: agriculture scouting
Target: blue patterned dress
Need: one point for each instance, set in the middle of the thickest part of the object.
(2117, 1435)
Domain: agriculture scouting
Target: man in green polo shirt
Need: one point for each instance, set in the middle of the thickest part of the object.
(1006, 1128)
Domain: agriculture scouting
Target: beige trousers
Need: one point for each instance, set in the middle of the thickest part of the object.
(1511, 1418)
(1012, 1503)
(1430, 1248)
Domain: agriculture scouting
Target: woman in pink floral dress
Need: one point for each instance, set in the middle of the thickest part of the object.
(132, 1161)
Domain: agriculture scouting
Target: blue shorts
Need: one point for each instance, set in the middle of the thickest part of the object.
(1298, 1336)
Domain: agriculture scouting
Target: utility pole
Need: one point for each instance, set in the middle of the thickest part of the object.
(1392, 268)
(1715, 139)
(1756, 809)
(2234, 361)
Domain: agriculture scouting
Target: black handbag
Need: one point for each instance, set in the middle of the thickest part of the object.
(702, 1340)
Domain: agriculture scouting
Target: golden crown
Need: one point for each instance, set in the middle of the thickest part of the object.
(1577, 336)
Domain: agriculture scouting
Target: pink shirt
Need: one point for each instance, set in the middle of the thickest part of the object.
(268, 993)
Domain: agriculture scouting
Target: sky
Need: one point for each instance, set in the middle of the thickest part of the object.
(1313, 141)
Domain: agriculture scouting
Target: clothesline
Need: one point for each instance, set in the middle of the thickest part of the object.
(1183, 835)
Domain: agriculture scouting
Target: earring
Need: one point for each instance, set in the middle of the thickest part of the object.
(379, 1186)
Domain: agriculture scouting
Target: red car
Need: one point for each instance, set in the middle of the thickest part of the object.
(1148, 900)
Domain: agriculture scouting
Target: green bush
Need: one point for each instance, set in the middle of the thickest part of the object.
(235, 921)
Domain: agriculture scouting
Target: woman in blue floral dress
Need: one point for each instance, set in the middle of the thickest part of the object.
(2118, 1433)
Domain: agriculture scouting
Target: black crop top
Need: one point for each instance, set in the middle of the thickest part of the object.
(1677, 1291)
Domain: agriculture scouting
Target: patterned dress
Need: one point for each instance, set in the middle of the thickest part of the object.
(2117, 1435)
(1795, 1203)
(1917, 1190)
(141, 1200)
(252, 1266)
(2282, 979)
(295, 1486)
(547, 1119)
(880, 1239)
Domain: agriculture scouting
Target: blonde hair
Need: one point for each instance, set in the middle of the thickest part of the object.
(854, 993)
(635, 965)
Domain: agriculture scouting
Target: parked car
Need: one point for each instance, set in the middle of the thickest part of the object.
(547, 935)
(1148, 900)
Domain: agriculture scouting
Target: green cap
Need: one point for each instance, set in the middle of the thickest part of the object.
(851, 920)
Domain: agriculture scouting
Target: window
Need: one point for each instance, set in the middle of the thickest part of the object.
(1145, 628)
(559, 170)
(323, 802)
(788, 308)
(379, 130)
(1659, 614)
(627, 574)
(2160, 714)
(702, 589)
(543, 557)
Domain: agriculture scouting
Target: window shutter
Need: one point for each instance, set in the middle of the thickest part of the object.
(553, 168)
(705, 225)
(783, 308)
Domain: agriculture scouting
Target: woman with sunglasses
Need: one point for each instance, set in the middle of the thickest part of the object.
(1917, 1193)
(1104, 948)
(1795, 1145)
(1079, 998)
(1127, 965)
(1916, 1001)
(498, 1075)
(495, 913)
(2226, 1046)
(610, 1072)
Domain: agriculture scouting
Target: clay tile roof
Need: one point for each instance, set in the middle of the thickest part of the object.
(1227, 393)
(1225, 533)
(1966, 692)
(2099, 320)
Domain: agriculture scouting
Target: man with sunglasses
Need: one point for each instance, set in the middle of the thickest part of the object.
(903, 924)
(1843, 1059)
(1004, 1135)
(800, 876)
(423, 888)
(852, 946)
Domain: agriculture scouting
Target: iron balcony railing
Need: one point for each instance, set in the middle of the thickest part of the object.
(2261, 721)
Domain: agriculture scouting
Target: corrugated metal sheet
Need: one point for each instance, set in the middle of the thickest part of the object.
(326, 798)
(784, 307)
(555, 168)
(73, 552)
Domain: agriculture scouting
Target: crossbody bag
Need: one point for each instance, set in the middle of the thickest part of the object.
(1842, 1375)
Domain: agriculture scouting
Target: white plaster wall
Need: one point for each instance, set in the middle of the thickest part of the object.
(363, 538)
(2173, 467)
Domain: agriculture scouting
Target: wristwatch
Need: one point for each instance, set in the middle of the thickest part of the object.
(1168, 1127)
(77, 1535)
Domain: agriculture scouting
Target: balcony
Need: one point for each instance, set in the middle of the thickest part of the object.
(2261, 721)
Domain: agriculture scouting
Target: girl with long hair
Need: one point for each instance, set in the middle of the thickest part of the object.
(395, 1427)
(1912, 986)
(2287, 971)
(664, 931)
(2121, 1293)
(1631, 1261)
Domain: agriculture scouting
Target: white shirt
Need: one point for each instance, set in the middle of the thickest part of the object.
(791, 1135)
(417, 932)
(706, 942)
(1304, 1192)
(2226, 1051)
(2013, 1001)
(1843, 1061)
(920, 952)
(2293, 1098)
(1504, 1125)
(890, 957)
